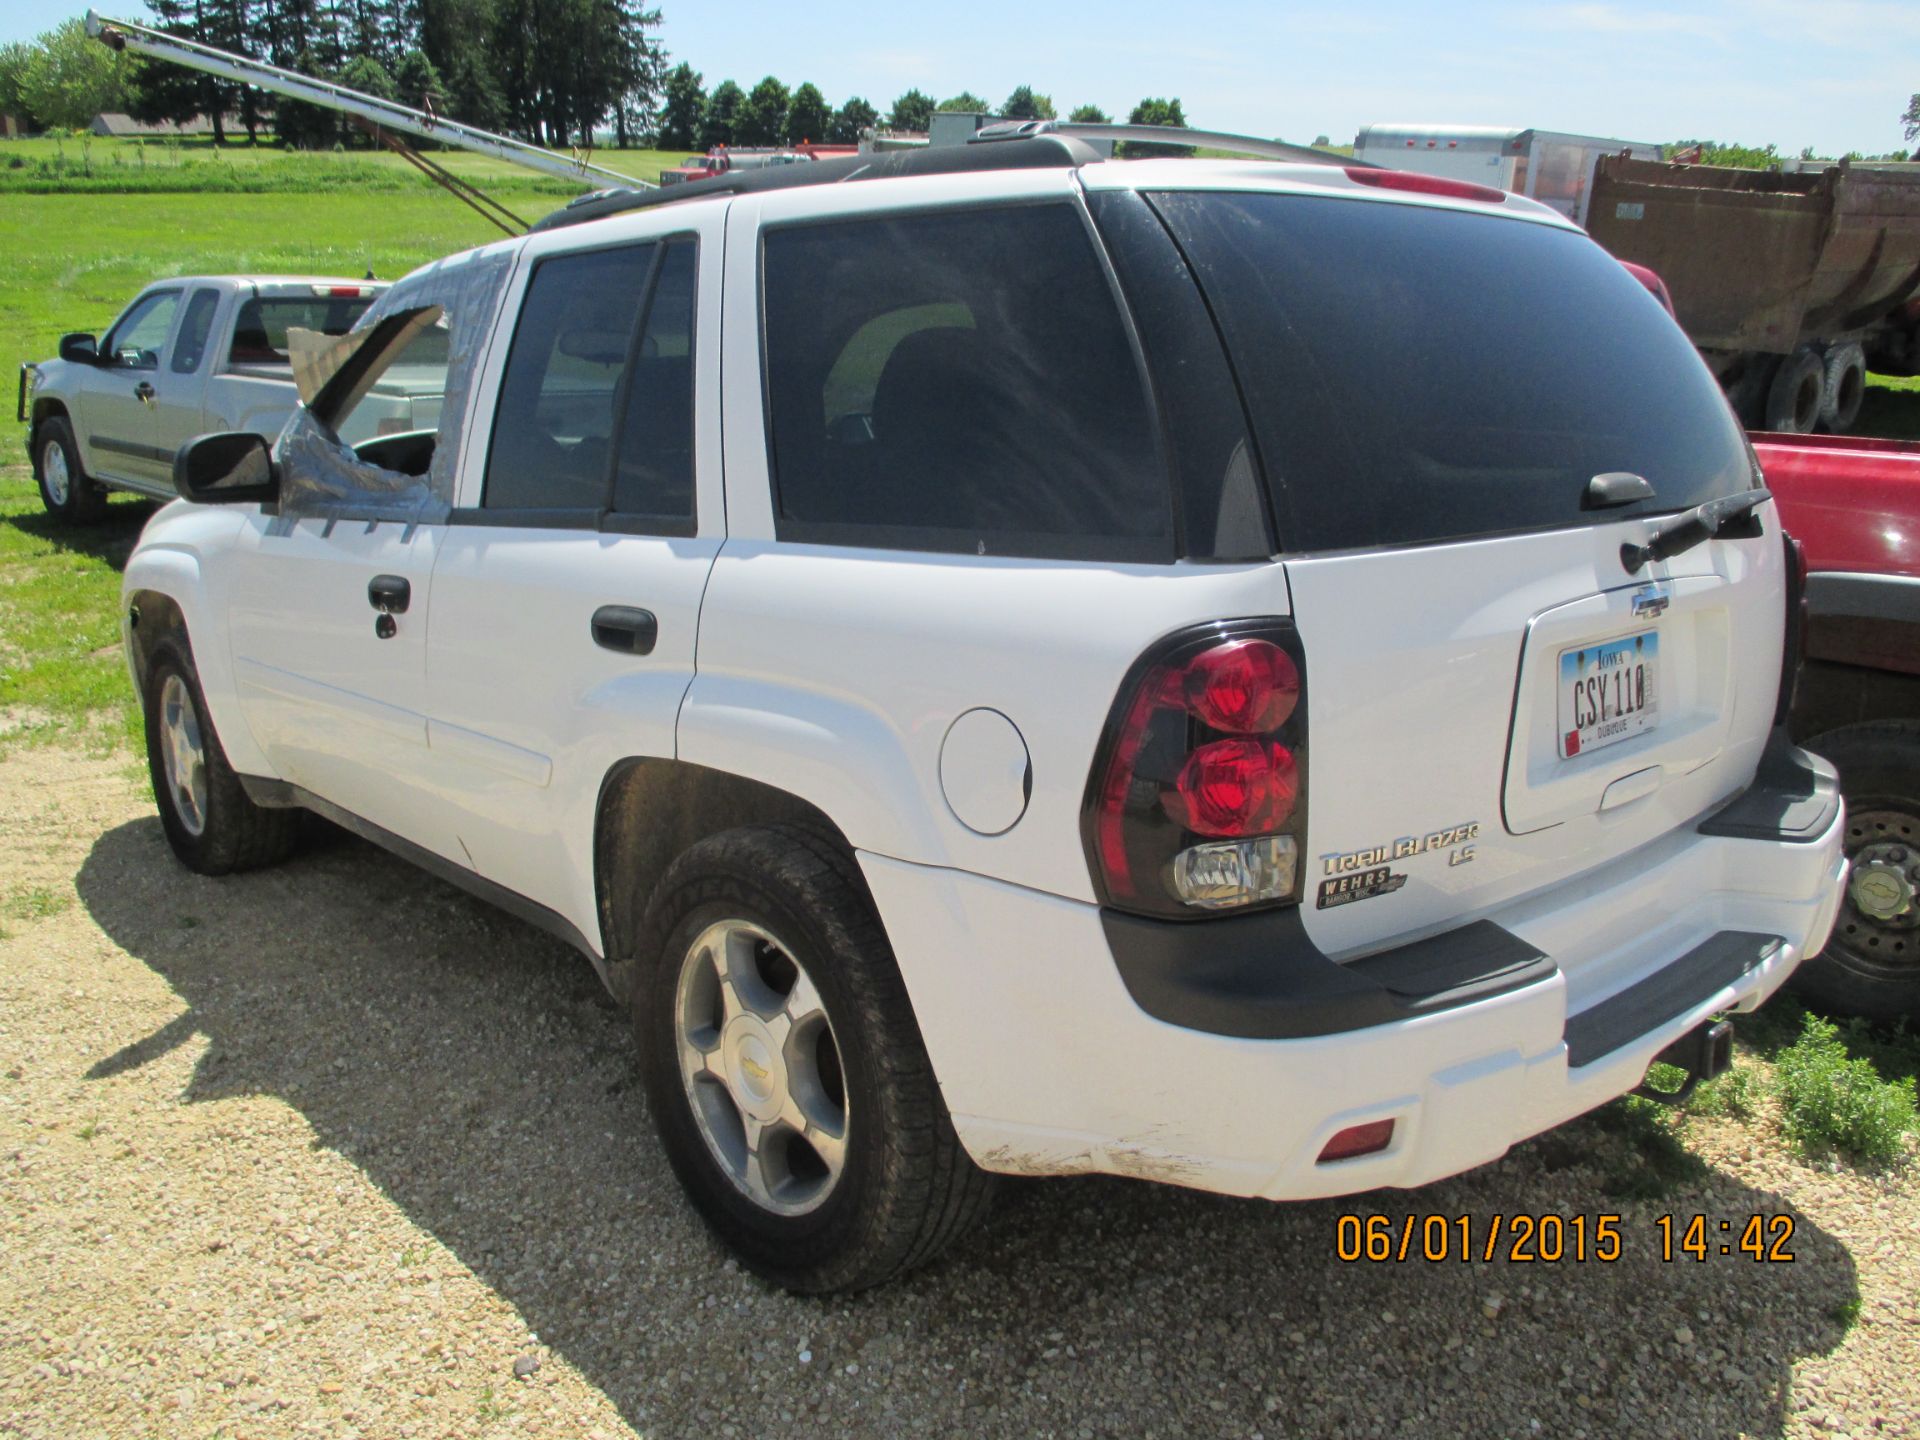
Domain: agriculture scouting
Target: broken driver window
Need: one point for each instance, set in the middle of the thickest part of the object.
(378, 431)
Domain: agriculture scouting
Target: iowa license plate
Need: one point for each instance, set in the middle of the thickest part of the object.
(1609, 692)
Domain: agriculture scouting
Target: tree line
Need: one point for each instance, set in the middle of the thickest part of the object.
(550, 71)
(692, 118)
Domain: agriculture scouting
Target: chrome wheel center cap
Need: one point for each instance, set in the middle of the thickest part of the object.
(753, 1064)
(1880, 889)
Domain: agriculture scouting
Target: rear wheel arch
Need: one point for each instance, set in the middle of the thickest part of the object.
(653, 810)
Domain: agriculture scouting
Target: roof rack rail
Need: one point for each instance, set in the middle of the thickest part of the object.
(1167, 135)
(1014, 144)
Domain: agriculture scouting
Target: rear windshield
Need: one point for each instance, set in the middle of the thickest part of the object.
(1416, 374)
(260, 329)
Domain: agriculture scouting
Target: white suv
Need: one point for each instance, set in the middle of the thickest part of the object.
(1264, 677)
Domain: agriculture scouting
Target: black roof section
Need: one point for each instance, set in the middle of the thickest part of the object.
(1020, 152)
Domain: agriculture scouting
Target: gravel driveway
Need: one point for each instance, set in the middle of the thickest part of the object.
(334, 1150)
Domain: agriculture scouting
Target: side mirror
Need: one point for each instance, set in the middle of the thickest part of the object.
(80, 348)
(235, 468)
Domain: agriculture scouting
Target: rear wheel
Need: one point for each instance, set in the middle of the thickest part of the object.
(784, 1067)
(65, 488)
(1846, 387)
(210, 823)
(1797, 393)
(1871, 966)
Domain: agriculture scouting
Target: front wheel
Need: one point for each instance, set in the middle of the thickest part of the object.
(66, 490)
(210, 822)
(784, 1068)
(1871, 966)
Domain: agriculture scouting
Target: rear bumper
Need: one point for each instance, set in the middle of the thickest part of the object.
(1051, 1064)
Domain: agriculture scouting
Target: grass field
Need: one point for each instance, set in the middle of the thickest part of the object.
(86, 164)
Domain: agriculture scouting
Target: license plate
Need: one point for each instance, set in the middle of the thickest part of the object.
(1609, 692)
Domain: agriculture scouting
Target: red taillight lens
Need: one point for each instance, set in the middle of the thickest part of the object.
(1245, 687)
(1426, 185)
(1230, 788)
(1197, 801)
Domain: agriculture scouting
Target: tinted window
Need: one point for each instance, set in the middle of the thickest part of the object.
(136, 340)
(958, 381)
(653, 474)
(1416, 374)
(195, 326)
(260, 329)
(553, 426)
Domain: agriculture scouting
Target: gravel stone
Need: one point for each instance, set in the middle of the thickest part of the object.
(314, 1151)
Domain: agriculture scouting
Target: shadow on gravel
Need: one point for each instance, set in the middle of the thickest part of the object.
(474, 1070)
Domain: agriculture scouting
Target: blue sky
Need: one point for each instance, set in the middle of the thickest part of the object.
(1833, 74)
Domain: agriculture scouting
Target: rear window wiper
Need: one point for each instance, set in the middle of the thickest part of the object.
(1702, 522)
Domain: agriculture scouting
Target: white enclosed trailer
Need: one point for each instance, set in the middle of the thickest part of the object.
(1550, 166)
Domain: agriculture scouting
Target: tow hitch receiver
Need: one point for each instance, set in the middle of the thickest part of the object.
(1703, 1053)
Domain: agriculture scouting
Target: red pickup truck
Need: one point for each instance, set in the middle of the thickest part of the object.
(1854, 505)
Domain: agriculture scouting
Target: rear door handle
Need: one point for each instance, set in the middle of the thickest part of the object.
(626, 628)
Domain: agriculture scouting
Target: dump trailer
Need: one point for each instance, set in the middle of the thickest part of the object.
(1554, 167)
(1791, 283)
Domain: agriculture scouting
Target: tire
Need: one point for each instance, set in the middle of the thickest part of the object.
(1846, 387)
(1871, 966)
(66, 489)
(210, 823)
(780, 907)
(1798, 390)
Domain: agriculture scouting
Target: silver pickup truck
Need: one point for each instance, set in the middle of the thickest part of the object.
(187, 357)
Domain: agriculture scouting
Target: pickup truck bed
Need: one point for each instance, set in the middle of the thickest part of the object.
(1854, 505)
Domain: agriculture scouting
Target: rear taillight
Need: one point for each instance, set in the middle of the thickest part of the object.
(1426, 185)
(1793, 650)
(1198, 795)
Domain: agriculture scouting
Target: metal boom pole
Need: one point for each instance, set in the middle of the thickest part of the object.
(124, 35)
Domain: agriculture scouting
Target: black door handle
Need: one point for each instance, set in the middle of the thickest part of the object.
(145, 391)
(390, 594)
(626, 628)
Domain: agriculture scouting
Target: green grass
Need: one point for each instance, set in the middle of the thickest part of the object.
(61, 671)
(1891, 409)
(1833, 1100)
(36, 902)
(79, 164)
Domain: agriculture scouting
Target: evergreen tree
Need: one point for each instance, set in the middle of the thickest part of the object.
(808, 117)
(912, 111)
(763, 120)
(967, 102)
(721, 124)
(1090, 115)
(1024, 104)
(851, 121)
(682, 109)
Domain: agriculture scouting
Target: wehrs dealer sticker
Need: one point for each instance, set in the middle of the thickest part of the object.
(1363, 874)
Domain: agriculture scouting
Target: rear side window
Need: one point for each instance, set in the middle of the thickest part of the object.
(260, 328)
(553, 427)
(190, 347)
(958, 381)
(1416, 374)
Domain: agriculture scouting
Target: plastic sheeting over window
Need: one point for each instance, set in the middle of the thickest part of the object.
(320, 474)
